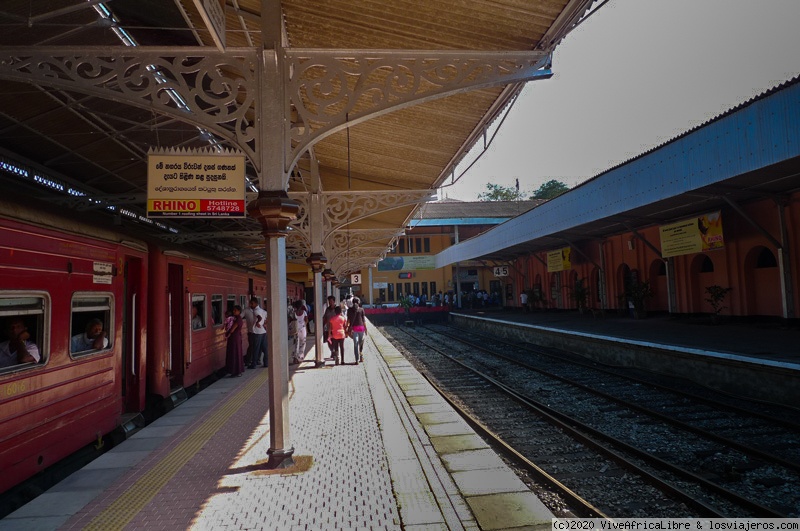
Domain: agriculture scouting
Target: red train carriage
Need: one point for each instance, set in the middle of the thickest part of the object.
(57, 285)
(161, 312)
(189, 299)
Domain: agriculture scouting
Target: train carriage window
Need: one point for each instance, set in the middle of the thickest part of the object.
(231, 303)
(23, 323)
(91, 323)
(243, 301)
(216, 310)
(197, 312)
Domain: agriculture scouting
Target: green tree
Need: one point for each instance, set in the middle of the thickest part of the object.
(550, 189)
(497, 192)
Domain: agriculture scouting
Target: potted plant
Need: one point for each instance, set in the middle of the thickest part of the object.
(406, 304)
(580, 294)
(637, 293)
(716, 298)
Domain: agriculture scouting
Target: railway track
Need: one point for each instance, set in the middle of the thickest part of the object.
(623, 454)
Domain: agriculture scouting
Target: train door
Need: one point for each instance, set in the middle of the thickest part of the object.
(132, 346)
(176, 324)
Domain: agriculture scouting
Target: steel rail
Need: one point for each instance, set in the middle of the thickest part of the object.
(589, 436)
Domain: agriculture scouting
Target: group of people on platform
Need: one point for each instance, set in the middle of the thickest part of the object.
(255, 317)
(339, 321)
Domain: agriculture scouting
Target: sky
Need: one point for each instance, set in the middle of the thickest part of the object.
(634, 75)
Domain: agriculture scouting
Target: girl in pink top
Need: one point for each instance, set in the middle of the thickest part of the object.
(338, 324)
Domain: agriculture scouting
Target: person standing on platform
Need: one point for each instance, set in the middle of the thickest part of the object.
(301, 321)
(338, 325)
(326, 320)
(523, 301)
(357, 328)
(234, 360)
(256, 319)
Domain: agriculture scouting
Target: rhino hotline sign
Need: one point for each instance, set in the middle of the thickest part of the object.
(192, 183)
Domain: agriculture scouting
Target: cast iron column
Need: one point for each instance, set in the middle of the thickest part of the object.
(274, 210)
(317, 263)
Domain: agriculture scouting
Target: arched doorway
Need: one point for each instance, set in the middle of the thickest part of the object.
(624, 278)
(763, 282)
(658, 282)
(702, 276)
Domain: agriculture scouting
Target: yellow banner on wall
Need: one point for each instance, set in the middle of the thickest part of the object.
(559, 260)
(693, 235)
(195, 183)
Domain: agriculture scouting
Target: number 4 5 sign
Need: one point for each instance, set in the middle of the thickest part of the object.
(501, 271)
(355, 278)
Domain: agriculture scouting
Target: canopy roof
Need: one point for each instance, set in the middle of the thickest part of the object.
(79, 141)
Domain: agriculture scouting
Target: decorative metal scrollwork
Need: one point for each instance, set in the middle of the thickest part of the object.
(202, 86)
(329, 89)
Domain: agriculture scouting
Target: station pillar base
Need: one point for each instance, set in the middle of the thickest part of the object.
(280, 458)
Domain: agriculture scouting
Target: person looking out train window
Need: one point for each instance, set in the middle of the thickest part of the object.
(93, 339)
(18, 348)
(197, 321)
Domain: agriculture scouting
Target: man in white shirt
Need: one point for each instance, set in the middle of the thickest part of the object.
(256, 318)
(93, 339)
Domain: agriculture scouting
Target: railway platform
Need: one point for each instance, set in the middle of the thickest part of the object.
(374, 447)
(756, 360)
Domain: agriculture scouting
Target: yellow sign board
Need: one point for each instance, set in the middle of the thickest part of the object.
(195, 184)
(559, 260)
(693, 235)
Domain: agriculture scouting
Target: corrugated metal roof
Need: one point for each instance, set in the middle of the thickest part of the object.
(475, 209)
(101, 146)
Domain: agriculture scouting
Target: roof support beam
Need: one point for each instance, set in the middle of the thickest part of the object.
(644, 240)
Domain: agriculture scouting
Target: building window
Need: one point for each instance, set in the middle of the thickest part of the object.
(425, 289)
(427, 243)
(402, 246)
(418, 244)
(391, 292)
(91, 323)
(399, 289)
(416, 289)
(408, 289)
(433, 288)
(707, 266)
(766, 259)
(382, 295)
(24, 317)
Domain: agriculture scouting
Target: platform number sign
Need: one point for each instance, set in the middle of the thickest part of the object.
(501, 271)
(355, 278)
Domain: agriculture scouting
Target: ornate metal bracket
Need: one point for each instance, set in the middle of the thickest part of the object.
(213, 90)
(331, 89)
(342, 208)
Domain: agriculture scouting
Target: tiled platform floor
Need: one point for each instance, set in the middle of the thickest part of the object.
(375, 448)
